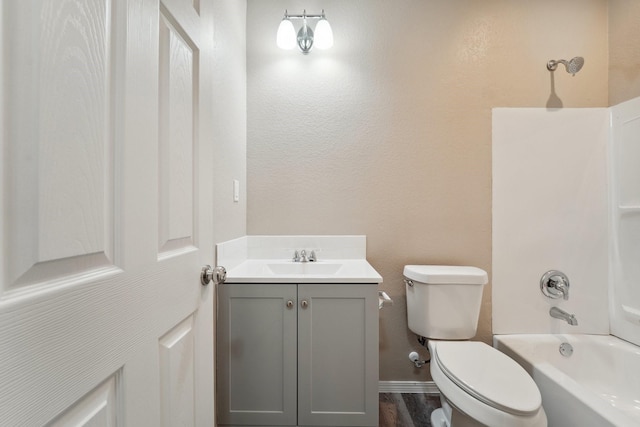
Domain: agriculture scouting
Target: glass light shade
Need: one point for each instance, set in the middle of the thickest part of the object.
(323, 38)
(286, 37)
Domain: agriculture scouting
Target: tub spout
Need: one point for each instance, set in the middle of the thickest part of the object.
(563, 315)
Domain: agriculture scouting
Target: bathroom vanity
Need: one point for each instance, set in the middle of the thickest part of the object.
(297, 343)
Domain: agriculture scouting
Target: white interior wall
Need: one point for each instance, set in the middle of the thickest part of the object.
(229, 119)
(549, 212)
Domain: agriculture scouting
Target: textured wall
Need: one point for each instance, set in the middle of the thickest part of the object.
(229, 118)
(388, 134)
(624, 50)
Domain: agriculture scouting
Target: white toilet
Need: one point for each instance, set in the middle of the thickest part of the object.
(479, 386)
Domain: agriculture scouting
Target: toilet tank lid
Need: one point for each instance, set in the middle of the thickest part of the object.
(446, 274)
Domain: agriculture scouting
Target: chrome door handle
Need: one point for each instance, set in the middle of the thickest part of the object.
(216, 274)
(304, 303)
(289, 303)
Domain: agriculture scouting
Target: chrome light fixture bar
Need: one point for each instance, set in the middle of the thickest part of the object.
(306, 38)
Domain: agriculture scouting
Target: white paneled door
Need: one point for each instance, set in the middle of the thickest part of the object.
(106, 194)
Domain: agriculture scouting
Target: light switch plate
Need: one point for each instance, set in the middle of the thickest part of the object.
(236, 190)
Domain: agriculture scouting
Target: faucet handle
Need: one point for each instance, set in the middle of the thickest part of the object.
(312, 256)
(559, 284)
(555, 284)
(296, 257)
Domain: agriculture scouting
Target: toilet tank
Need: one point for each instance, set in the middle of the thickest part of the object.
(443, 301)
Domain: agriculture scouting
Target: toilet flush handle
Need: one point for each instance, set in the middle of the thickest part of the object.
(408, 282)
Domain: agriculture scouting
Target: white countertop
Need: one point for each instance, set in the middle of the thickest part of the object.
(286, 271)
(268, 259)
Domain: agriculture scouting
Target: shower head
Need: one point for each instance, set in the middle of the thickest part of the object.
(572, 66)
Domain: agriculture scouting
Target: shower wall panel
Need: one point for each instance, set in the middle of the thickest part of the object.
(549, 213)
(625, 221)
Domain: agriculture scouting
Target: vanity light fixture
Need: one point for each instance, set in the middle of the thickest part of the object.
(306, 38)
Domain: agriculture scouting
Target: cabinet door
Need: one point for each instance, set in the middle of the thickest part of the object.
(257, 354)
(338, 355)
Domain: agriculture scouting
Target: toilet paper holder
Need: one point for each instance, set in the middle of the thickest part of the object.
(383, 298)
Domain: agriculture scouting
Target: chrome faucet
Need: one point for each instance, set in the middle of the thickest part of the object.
(303, 257)
(563, 315)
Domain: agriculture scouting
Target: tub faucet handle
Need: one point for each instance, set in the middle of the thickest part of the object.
(555, 284)
(560, 285)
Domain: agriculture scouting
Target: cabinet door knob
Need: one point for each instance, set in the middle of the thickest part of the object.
(304, 303)
(289, 304)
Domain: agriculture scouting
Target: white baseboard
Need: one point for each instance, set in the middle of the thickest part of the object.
(426, 387)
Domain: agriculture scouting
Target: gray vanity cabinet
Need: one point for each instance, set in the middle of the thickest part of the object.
(303, 355)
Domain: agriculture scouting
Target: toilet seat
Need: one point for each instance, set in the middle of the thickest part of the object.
(486, 384)
(489, 375)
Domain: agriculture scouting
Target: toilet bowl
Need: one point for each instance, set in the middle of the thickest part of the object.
(479, 386)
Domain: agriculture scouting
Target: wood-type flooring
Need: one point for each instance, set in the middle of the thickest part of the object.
(407, 409)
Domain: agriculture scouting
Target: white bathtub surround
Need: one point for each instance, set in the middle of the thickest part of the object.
(543, 222)
(566, 196)
(624, 303)
(597, 386)
(549, 212)
(268, 259)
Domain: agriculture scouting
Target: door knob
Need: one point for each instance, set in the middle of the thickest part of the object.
(217, 274)
(289, 303)
(304, 303)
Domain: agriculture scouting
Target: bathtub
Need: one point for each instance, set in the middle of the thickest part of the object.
(596, 386)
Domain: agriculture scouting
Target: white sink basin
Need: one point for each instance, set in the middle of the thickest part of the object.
(298, 268)
(285, 271)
